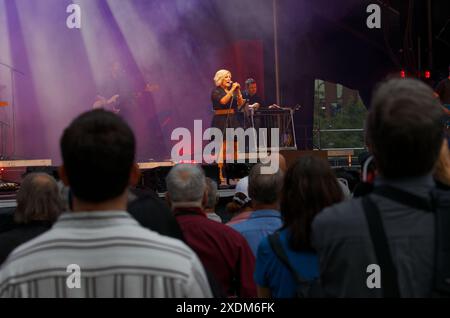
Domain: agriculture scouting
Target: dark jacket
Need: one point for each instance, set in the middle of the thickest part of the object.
(19, 235)
(153, 213)
(342, 240)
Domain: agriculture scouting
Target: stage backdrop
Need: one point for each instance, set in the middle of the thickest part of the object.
(175, 46)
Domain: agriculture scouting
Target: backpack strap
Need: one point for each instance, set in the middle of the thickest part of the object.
(275, 244)
(389, 280)
(439, 204)
(405, 198)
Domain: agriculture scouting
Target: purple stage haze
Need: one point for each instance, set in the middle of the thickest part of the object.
(173, 44)
(177, 46)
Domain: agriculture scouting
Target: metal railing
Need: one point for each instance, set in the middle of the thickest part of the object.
(319, 131)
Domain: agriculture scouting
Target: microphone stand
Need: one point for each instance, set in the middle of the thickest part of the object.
(226, 126)
(12, 70)
(228, 112)
(252, 120)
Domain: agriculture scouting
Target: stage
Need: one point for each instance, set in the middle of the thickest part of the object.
(153, 173)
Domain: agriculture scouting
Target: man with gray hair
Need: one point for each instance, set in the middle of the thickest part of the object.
(38, 206)
(265, 190)
(223, 251)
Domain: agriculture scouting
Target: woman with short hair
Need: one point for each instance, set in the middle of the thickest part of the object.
(227, 101)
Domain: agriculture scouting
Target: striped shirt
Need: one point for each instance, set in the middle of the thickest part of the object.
(105, 255)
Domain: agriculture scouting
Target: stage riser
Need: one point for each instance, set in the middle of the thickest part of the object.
(153, 173)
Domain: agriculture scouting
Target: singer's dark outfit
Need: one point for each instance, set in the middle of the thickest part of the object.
(220, 121)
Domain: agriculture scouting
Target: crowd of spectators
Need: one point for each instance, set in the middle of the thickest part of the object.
(304, 231)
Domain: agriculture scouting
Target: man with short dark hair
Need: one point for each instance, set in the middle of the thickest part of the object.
(251, 94)
(253, 102)
(114, 255)
(404, 131)
(265, 191)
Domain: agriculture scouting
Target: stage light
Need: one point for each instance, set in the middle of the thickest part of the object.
(427, 74)
(402, 74)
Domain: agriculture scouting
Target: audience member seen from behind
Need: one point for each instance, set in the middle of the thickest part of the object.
(240, 208)
(117, 257)
(223, 251)
(309, 186)
(39, 204)
(265, 190)
(368, 174)
(404, 131)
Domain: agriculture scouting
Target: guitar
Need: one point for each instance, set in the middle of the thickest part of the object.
(110, 104)
(113, 103)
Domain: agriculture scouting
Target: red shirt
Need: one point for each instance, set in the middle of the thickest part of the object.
(223, 251)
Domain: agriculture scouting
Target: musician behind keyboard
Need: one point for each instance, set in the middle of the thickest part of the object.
(250, 94)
